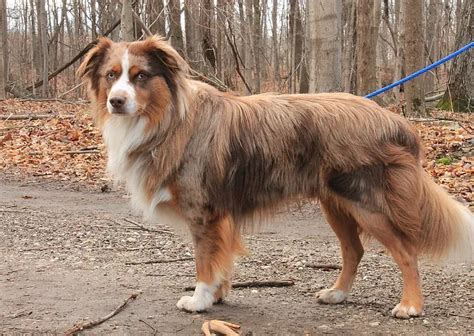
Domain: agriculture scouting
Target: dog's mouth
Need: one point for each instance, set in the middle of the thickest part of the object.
(119, 112)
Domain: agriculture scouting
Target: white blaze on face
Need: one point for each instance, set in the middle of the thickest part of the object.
(123, 89)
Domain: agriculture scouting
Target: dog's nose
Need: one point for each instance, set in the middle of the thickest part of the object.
(117, 102)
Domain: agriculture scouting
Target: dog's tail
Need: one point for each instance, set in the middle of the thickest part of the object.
(447, 228)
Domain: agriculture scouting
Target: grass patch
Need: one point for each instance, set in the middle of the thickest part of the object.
(445, 160)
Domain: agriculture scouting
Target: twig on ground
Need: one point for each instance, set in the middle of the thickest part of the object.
(162, 275)
(42, 174)
(6, 129)
(148, 325)
(79, 327)
(324, 266)
(64, 101)
(12, 210)
(33, 116)
(459, 122)
(158, 261)
(70, 90)
(86, 151)
(22, 313)
(141, 227)
(255, 284)
(435, 120)
(459, 315)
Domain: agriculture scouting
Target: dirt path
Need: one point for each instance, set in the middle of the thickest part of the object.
(64, 258)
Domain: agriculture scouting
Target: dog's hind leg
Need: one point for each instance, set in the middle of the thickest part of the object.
(403, 252)
(217, 243)
(345, 228)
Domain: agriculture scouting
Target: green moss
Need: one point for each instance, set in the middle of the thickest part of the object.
(446, 160)
(459, 105)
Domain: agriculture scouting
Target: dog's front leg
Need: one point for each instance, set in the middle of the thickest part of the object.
(217, 243)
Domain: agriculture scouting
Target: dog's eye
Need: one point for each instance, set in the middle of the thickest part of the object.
(141, 76)
(111, 75)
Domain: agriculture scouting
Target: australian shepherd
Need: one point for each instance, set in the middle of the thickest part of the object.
(217, 161)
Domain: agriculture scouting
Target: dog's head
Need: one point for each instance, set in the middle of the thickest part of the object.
(143, 78)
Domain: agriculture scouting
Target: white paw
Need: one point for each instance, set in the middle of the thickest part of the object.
(192, 304)
(331, 296)
(406, 311)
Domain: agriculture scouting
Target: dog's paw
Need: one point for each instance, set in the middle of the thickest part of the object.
(331, 296)
(403, 311)
(192, 304)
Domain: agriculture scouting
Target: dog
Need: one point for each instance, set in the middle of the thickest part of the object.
(218, 162)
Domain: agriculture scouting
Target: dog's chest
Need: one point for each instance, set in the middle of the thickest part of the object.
(123, 136)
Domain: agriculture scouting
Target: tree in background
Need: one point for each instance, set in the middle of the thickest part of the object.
(3, 48)
(43, 33)
(176, 32)
(126, 25)
(367, 23)
(324, 45)
(459, 94)
(414, 49)
(246, 46)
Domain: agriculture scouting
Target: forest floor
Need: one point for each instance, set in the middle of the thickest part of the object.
(67, 236)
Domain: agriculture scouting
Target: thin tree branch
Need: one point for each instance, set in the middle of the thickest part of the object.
(79, 327)
(236, 58)
(74, 59)
(255, 284)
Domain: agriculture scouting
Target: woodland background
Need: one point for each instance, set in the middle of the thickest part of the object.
(66, 236)
(252, 46)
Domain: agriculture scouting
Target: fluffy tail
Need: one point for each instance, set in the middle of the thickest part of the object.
(447, 230)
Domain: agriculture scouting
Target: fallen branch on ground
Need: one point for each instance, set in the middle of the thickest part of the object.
(79, 327)
(52, 100)
(87, 151)
(158, 261)
(255, 284)
(13, 210)
(33, 116)
(141, 227)
(324, 266)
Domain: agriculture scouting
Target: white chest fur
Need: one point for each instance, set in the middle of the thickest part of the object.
(122, 135)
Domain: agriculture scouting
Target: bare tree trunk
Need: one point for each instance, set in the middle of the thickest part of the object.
(460, 92)
(207, 42)
(375, 31)
(4, 47)
(176, 36)
(348, 45)
(257, 43)
(399, 68)
(43, 30)
(276, 59)
(192, 31)
(431, 42)
(366, 47)
(126, 24)
(93, 19)
(157, 16)
(249, 39)
(324, 45)
(414, 90)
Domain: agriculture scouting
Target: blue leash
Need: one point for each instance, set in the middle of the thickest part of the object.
(419, 72)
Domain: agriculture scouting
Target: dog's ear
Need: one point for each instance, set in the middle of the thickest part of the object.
(157, 47)
(166, 62)
(89, 66)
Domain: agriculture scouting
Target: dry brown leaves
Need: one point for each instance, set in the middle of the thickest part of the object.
(38, 148)
(449, 151)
